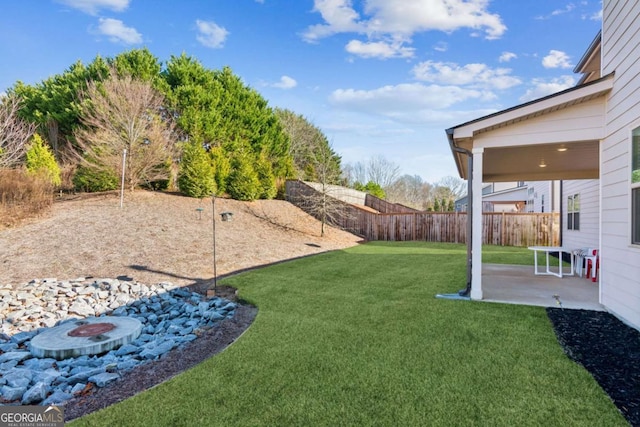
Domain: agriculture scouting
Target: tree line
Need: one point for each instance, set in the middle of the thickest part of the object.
(182, 125)
(179, 125)
(382, 178)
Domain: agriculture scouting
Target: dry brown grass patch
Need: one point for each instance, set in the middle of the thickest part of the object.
(22, 196)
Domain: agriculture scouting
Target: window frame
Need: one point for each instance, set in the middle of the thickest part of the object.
(573, 212)
(634, 183)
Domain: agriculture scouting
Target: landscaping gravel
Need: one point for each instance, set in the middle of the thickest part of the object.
(170, 318)
(608, 349)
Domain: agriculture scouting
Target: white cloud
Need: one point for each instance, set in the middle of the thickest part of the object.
(441, 47)
(402, 98)
(211, 34)
(597, 16)
(339, 17)
(404, 17)
(507, 56)
(473, 75)
(285, 82)
(543, 88)
(118, 32)
(568, 8)
(556, 59)
(93, 7)
(381, 49)
(399, 20)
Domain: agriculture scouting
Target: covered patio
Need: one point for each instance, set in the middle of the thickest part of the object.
(553, 138)
(516, 284)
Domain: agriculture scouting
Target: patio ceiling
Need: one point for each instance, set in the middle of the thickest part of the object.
(578, 161)
(556, 137)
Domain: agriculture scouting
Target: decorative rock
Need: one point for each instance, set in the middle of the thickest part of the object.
(12, 393)
(81, 308)
(35, 394)
(78, 388)
(84, 375)
(57, 397)
(127, 365)
(39, 364)
(170, 317)
(229, 307)
(158, 350)
(21, 337)
(6, 366)
(14, 355)
(127, 349)
(103, 379)
(18, 377)
(48, 376)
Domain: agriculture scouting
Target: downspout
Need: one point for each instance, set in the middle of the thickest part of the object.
(561, 214)
(467, 290)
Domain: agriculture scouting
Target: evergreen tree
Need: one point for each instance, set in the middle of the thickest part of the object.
(306, 140)
(222, 167)
(267, 180)
(243, 181)
(196, 177)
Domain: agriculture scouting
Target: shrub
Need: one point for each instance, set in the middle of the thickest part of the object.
(22, 195)
(267, 180)
(371, 188)
(243, 181)
(222, 167)
(196, 177)
(40, 161)
(92, 180)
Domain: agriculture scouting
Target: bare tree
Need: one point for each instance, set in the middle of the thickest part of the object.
(410, 191)
(382, 171)
(124, 113)
(359, 173)
(14, 132)
(447, 191)
(321, 203)
(378, 170)
(457, 186)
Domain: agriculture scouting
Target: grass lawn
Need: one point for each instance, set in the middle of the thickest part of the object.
(357, 337)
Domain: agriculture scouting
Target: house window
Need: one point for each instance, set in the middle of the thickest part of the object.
(573, 212)
(635, 186)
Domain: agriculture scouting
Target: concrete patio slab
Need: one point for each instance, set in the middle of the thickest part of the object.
(517, 284)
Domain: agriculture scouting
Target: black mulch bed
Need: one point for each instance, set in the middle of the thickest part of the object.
(608, 349)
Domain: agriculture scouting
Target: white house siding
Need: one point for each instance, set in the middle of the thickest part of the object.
(566, 125)
(588, 234)
(544, 196)
(620, 261)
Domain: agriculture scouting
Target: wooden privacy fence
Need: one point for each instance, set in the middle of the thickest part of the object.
(506, 229)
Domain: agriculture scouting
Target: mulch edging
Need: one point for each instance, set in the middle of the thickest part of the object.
(607, 348)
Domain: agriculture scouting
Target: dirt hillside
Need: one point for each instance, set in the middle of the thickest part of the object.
(158, 237)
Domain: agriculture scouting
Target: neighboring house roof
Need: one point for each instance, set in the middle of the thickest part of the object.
(510, 195)
(516, 141)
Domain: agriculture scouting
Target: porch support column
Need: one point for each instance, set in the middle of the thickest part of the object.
(476, 237)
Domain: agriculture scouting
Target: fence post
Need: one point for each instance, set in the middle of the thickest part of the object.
(502, 230)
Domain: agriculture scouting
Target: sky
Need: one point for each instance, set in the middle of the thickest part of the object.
(378, 77)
